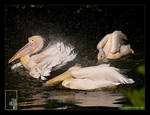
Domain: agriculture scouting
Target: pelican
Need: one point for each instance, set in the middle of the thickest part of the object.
(112, 46)
(40, 64)
(89, 78)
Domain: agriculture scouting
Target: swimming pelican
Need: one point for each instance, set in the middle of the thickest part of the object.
(40, 64)
(88, 78)
(112, 46)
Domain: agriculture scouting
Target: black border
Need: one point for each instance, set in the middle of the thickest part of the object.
(104, 2)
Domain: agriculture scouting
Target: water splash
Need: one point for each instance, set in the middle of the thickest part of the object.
(60, 55)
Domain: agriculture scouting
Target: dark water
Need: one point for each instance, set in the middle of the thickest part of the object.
(32, 96)
(83, 31)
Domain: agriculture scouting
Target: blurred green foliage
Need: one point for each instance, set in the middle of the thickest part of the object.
(78, 11)
(90, 7)
(139, 97)
(81, 9)
(141, 69)
(136, 97)
(29, 6)
(137, 100)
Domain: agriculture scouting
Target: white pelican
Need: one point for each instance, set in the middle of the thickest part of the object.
(40, 64)
(112, 46)
(87, 78)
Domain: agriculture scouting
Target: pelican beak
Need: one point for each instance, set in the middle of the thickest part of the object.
(98, 62)
(132, 51)
(59, 78)
(23, 51)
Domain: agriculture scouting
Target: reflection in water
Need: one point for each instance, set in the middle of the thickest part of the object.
(88, 98)
(63, 99)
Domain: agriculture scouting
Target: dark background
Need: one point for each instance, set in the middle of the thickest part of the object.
(82, 25)
(90, 21)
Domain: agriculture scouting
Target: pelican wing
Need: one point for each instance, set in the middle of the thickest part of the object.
(95, 77)
(102, 72)
(53, 57)
(104, 40)
(117, 41)
(93, 72)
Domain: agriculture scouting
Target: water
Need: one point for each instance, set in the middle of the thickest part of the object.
(70, 99)
(31, 94)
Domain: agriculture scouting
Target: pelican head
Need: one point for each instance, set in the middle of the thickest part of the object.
(100, 56)
(34, 45)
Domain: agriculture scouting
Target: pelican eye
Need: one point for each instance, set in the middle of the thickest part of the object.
(31, 40)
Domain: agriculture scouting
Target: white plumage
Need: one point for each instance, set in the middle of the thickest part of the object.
(93, 77)
(59, 56)
(112, 46)
(50, 58)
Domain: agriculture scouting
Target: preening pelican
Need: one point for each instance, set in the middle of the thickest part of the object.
(112, 46)
(40, 64)
(88, 78)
